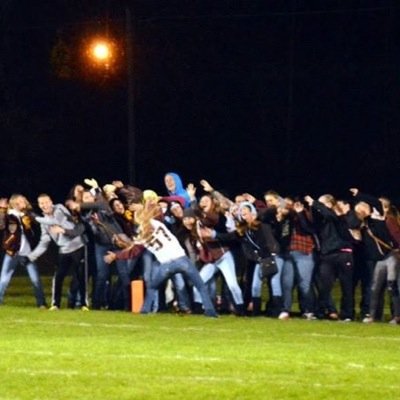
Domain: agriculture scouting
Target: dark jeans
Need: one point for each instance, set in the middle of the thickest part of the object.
(103, 274)
(363, 270)
(70, 262)
(338, 265)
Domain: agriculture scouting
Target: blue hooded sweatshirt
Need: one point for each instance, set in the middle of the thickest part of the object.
(179, 190)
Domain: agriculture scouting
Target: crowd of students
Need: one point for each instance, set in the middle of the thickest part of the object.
(208, 253)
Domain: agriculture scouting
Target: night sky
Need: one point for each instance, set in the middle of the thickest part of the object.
(298, 96)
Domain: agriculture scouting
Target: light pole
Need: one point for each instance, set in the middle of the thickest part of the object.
(130, 98)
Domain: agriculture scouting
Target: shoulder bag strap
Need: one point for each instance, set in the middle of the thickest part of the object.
(380, 243)
(254, 244)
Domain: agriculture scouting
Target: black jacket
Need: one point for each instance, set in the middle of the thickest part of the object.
(282, 230)
(104, 226)
(332, 230)
(255, 243)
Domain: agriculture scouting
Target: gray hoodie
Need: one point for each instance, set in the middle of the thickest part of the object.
(68, 242)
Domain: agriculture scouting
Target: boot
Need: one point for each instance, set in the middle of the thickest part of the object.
(239, 310)
(256, 306)
(277, 306)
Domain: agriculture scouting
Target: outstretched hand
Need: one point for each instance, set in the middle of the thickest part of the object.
(354, 191)
(249, 197)
(92, 183)
(206, 186)
(191, 190)
(309, 200)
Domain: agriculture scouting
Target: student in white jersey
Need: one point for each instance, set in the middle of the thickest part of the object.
(159, 240)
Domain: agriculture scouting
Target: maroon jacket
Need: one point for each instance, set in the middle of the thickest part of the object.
(394, 229)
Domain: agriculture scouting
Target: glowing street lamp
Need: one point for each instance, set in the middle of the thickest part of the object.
(102, 53)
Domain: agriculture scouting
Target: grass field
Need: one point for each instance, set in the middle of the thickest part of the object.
(115, 355)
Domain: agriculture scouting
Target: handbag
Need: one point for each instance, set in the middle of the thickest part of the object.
(268, 267)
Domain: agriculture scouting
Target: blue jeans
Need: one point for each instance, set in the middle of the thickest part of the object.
(9, 266)
(186, 268)
(301, 266)
(256, 284)
(226, 265)
(151, 299)
(181, 292)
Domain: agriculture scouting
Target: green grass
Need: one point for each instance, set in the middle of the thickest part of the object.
(115, 355)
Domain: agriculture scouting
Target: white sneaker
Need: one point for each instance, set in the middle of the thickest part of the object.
(284, 315)
(368, 320)
(309, 316)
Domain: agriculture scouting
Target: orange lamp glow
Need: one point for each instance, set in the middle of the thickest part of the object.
(101, 51)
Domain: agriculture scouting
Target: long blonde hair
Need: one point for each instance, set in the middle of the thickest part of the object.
(143, 218)
(14, 197)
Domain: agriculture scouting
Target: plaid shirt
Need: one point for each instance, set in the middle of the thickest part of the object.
(301, 242)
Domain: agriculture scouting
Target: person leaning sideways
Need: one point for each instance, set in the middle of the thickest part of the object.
(57, 226)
